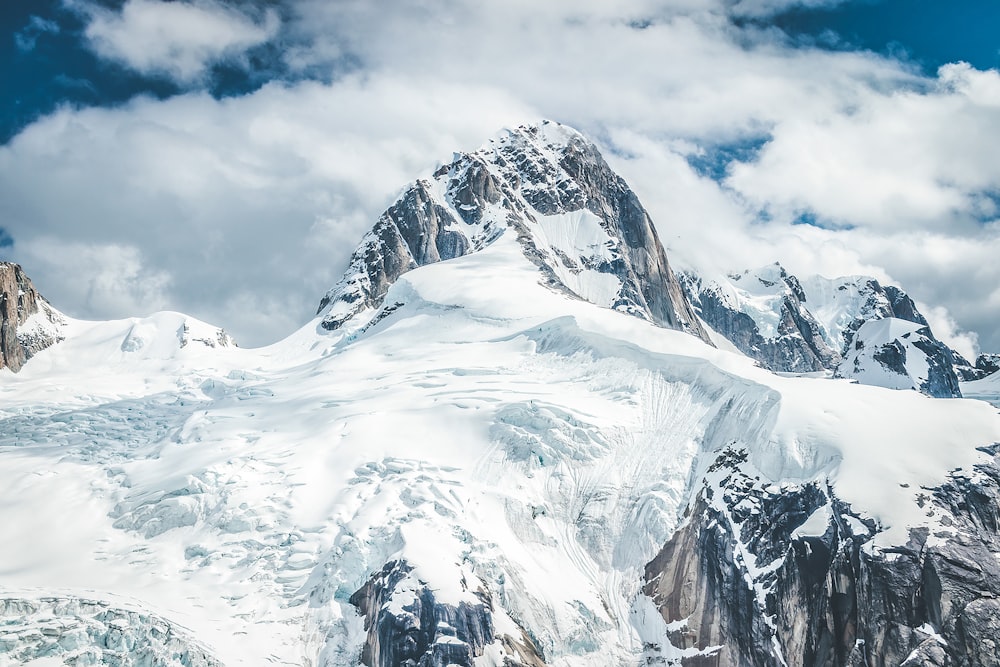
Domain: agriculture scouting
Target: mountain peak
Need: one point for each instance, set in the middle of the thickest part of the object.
(576, 220)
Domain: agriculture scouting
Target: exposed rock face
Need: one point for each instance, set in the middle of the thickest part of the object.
(814, 324)
(901, 355)
(854, 300)
(791, 577)
(575, 218)
(408, 627)
(986, 364)
(793, 344)
(28, 324)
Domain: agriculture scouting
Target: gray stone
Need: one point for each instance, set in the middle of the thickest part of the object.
(425, 632)
(819, 600)
(20, 301)
(511, 184)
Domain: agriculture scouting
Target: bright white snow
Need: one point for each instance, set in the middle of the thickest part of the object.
(488, 429)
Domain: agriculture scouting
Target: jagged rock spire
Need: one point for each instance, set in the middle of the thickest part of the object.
(575, 218)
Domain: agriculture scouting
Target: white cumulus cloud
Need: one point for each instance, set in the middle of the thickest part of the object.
(180, 39)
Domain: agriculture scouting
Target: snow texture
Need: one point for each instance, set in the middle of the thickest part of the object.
(490, 432)
(490, 411)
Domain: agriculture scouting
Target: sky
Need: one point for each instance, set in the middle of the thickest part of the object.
(223, 159)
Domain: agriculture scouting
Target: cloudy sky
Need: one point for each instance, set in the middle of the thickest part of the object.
(223, 158)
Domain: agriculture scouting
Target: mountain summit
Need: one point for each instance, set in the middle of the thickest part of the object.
(574, 217)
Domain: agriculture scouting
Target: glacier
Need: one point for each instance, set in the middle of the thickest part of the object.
(481, 459)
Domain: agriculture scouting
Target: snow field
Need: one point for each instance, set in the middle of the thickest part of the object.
(491, 432)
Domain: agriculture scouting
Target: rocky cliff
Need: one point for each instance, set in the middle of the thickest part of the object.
(793, 577)
(899, 354)
(407, 626)
(813, 324)
(576, 219)
(788, 339)
(986, 364)
(28, 324)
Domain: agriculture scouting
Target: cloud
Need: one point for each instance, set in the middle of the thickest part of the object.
(765, 8)
(180, 40)
(260, 199)
(26, 38)
(907, 158)
(108, 279)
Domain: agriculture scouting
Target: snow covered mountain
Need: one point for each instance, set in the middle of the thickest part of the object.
(900, 354)
(813, 324)
(576, 219)
(524, 455)
(763, 314)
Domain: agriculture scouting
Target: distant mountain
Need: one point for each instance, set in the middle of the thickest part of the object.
(986, 364)
(812, 324)
(764, 314)
(31, 325)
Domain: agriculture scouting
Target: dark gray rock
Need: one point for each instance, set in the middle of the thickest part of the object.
(798, 345)
(512, 183)
(411, 628)
(885, 354)
(986, 364)
(20, 301)
(891, 356)
(881, 302)
(942, 381)
(748, 584)
(901, 306)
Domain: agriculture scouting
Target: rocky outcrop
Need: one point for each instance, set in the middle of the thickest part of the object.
(898, 354)
(407, 626)
(869, 300)
(576, 219)
(764, 576)
(796, 343)
(815, 324)
(28, 324)
(986, 364)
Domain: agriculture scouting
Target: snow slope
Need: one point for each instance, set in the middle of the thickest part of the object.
(986, 389)
(490, 431)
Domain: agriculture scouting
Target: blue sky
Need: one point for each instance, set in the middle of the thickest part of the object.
(928, 33)
(46, 61)
(223, 158)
